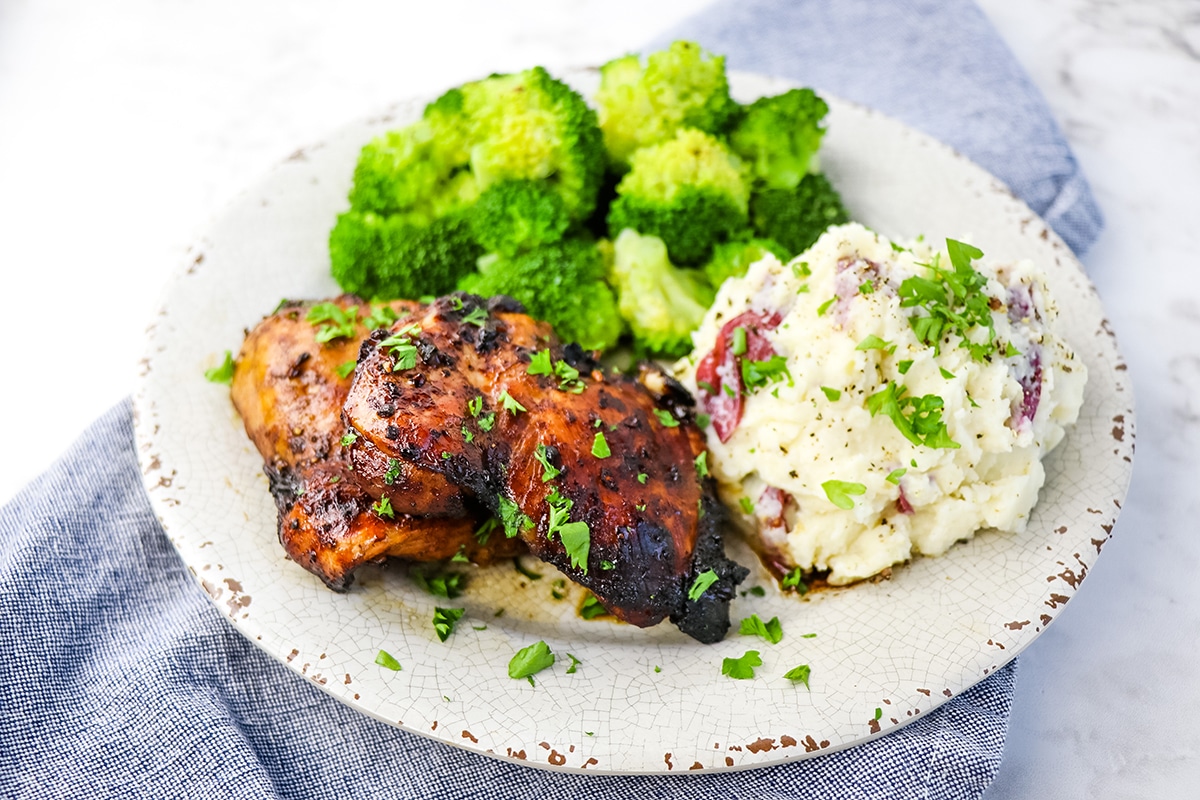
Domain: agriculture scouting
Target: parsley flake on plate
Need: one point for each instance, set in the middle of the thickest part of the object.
(223, 373)
(529, 661)
(742, 668)
(444, 620)
(799, 674)
(752, 625)
(386, 660)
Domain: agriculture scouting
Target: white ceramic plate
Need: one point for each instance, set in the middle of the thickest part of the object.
(903, 645)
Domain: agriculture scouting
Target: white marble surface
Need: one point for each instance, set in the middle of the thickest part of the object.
(125, 125)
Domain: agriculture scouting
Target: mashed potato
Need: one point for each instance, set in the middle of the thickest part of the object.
(848, 432)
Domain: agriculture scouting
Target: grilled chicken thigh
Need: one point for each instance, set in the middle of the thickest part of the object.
(336, 514)
(597, 473)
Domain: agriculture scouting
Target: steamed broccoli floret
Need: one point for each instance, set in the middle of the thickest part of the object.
(680, 87)
(797, 217)
(512, 216)
(732, 259)
(529, 126)
(561, 283)
(662, 303)
(386, 257)
(410, 172)
(779, 137)
(688, 191)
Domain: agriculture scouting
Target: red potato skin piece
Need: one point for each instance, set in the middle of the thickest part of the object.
(724, 404)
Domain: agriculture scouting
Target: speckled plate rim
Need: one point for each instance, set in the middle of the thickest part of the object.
(903, 646)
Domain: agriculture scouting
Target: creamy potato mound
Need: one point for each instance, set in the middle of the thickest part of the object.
(810, 349)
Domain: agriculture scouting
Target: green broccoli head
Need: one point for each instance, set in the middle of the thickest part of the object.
(779, 137)
(561, 283)
(386, 257)
(687, 191)
(409, 172)
(797, 217)
(529, 126)
(662, 303)
(680, 87)
(732, 259)
(513, 216)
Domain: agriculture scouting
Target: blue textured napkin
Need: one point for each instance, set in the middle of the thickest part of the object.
(120, 679)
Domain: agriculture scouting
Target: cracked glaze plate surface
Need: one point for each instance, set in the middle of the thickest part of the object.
(903, 645)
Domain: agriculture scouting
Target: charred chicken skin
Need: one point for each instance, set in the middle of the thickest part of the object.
(597, 473)
(335, 513)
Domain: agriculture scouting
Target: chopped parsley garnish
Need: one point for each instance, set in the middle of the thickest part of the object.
(393, 471)
(600, 446)
(795, 580)
(386, 660)
(947, 374)
(468, 437)
(799, 675)
(953, 301)
(738, 345)
(831, 394)
(657, 668)
(840, 493)
(568, 378)
(476, 316)
(755, 591)
(510, 404)
(383, 508)
(439, 584)
(641, 478)
(702, 420)
(456, 303)
(461, 556)
(402, 349)
(918, 418)
(539, 363)
(339, 323)
(484, 532)
(513, 518)
(878, 713)
(576, 537)
(475, 405)
(741, 668)
(381, 316)
(701, 463)
(444, 620)
(606, 564)
(345, 369)
(756, 374)
(1010, 351)
(665, 417)
(821, 309)
(873, 342)
(526, 571)
(808, 636)
(529, 661)
(223, 373)
(640, 506)
(349, 439)
(866, 288)
(754, 626)
(591, 608)
(747, 505)
(575, 662)
(801, 269)
(549, 471)
(895, 475)
(904, 366)
(700, 585)
(445, 455)
(487, 421)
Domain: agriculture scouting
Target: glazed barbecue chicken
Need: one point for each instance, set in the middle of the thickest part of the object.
(597, 473)
(292, 377)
